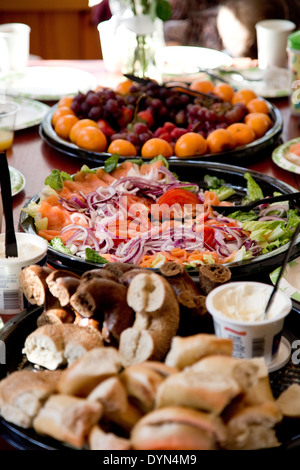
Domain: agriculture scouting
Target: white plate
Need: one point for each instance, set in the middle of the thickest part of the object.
(290, 281)
(30, 112)
(176, 61)
(274, 82)
(283, 356)
(46, 83)
(278, 156)
(17, 181)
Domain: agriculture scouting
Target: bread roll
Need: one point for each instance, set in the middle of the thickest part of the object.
(126, 419)
(51, 346)
(156, 319)
(213, 275)
(62, 284)
(199, 390)
(252, 375)
(117, 410)
(67, 418)
(88, 371)
(55, 316)
(33, 283)
(246, 372)
(253, 427)
(160, 368)
(175, 427)
(185, 351)
(22, 393)
(289, 401)
(100, 440)
(141, 384)
(112, 395)
(104, 300)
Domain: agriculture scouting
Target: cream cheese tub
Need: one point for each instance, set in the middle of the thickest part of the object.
(237, 309)
(31, 250)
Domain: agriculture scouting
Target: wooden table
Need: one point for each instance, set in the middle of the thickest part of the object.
(35, 159)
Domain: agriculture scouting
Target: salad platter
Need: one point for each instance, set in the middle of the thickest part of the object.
(189, 173)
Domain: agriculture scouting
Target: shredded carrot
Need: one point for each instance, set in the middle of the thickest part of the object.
(180, 256)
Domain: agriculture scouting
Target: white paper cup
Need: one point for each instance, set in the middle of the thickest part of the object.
(14, 46)
(232, 306)
(272, 36)
(31, 250)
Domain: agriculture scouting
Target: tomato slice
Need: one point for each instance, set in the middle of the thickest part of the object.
(209, 236)
(178, 196)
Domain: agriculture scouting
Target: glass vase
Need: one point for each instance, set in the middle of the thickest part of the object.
(143, 38)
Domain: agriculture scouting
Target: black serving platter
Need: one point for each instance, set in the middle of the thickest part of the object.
(13, 335)
(194, 171)
(269, 141)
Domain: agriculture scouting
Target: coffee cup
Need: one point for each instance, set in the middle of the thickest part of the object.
(14, 46)
(272, 36)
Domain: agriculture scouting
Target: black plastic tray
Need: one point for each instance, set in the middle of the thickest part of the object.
(268, 141)
(15, 331)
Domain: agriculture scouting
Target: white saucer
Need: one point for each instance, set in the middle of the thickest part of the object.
(278, 156)
(283, 356)
(30, 112)
(17, 181)
(46, 83)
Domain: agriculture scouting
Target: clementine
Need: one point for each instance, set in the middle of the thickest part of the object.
(190, 144)
(220, 140)
(156, 146)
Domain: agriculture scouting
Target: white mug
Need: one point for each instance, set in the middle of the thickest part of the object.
(14, 46)
(272, 38)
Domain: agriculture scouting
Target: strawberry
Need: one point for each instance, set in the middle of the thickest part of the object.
(105, 127)
(147, 116)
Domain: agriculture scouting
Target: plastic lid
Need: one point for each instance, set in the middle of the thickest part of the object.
(294, 40)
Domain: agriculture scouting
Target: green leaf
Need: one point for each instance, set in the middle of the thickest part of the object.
(58, 245)
(111, 163)
(162, 159)
(243, 216)
(224, 192)
(213, 182)
(137, 161)
(163, 10)
(254, 191)
(56, 179)
(94, 257)
(86, 169)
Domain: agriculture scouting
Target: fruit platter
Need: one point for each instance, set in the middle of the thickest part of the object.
(199, 120)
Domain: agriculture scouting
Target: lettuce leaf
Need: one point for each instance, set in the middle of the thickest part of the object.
(224, 192)
(56, 179)
(272, 234)
(254, 191)
(94, 257)
(243, 216)
(58, 245)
